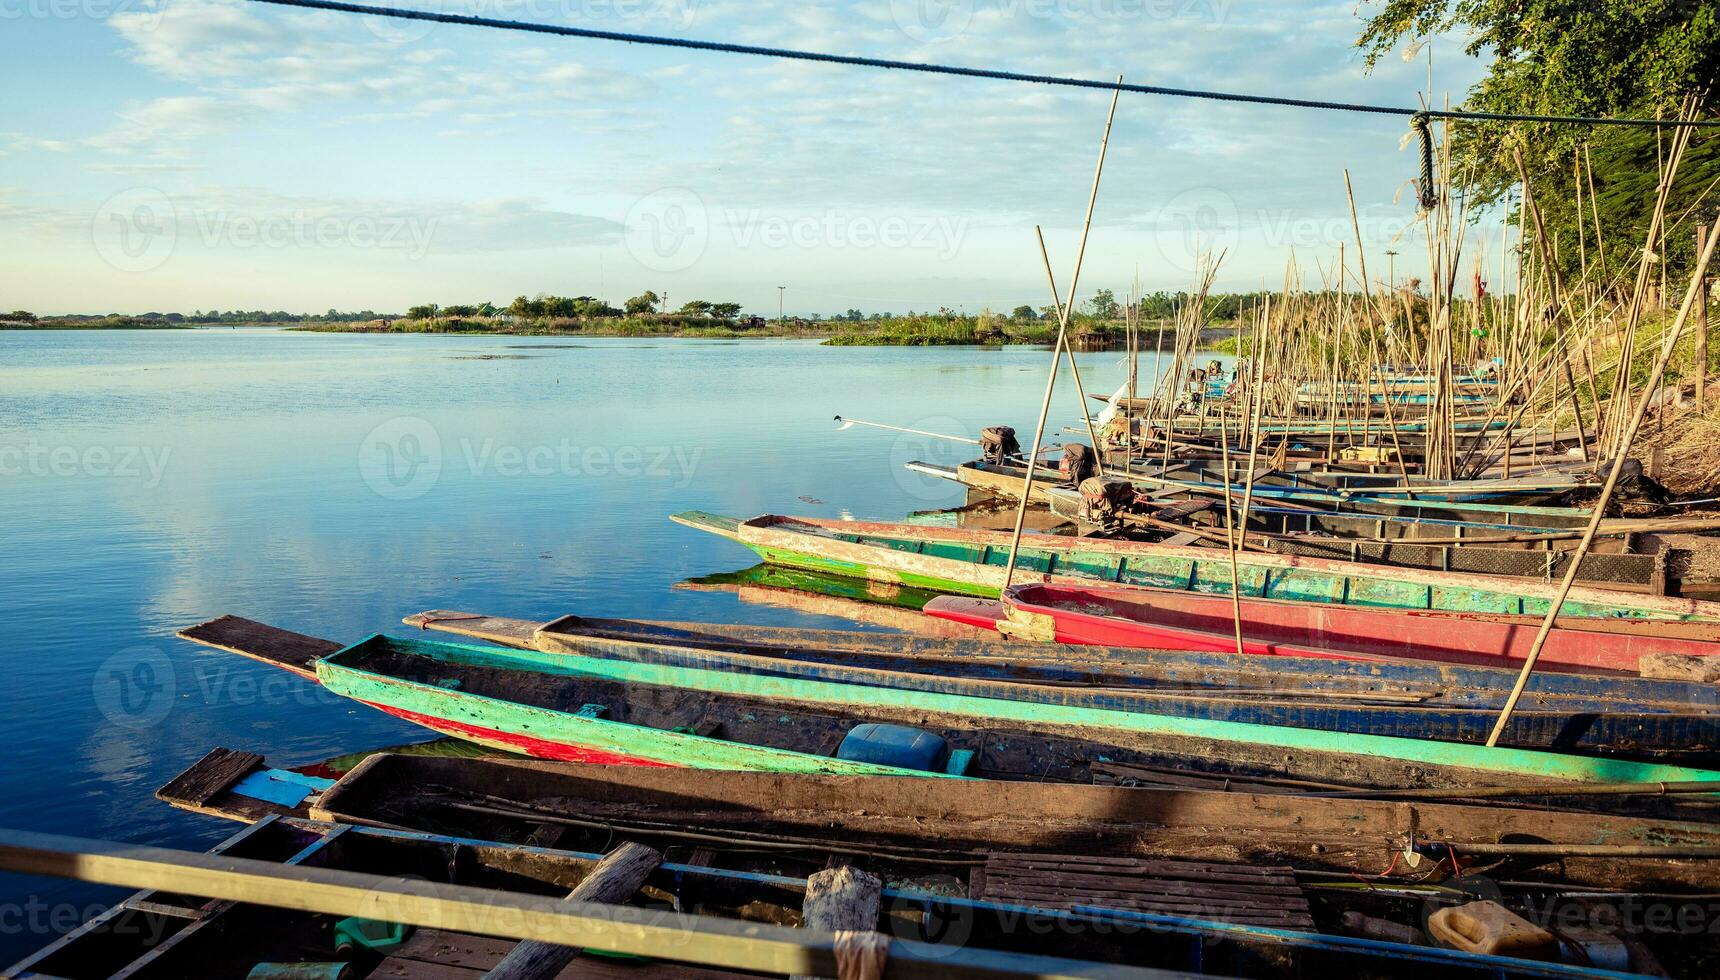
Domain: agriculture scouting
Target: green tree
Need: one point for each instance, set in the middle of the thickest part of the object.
(1636, 58)
(645, 302)
(1103, 305)
(1023, 313)
(696, 307)
(425, 311)
(725, 311)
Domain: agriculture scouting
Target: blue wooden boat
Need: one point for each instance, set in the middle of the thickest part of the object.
(1625, 716)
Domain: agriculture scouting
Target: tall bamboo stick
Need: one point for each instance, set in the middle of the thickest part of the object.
(1062, 339)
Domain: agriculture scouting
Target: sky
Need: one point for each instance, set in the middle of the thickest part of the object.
(177, 155)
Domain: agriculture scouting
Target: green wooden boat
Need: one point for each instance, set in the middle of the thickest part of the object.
(963, 561)
(586, 709)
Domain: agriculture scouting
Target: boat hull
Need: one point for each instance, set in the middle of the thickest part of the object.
(970, 562)
(780, 724)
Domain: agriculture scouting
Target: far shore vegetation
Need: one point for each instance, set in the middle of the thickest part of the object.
(1096, 324)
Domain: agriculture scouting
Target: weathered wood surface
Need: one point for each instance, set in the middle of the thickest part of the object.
(496, 629)
(460, 908)
(1680, 667)
(964, 816)
(614, 880)
(842, 900)
(1239, 893)
(435, 953)
(259, 641)
(209, 777)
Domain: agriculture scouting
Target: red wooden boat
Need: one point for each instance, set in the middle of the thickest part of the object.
(1192, 621)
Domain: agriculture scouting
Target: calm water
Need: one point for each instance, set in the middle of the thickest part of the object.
(334, 483)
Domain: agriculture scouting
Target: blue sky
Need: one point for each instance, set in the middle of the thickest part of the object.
(184, 154)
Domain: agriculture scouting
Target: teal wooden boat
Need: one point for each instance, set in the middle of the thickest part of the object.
(585, 709)
(963, 561)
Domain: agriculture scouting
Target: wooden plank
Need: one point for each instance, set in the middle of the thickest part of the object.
(464, 955)
(400, 968)
(209, 777)
(496, 629)
(614, 880)
(259, 641)
(699, 939)
(1225, 892)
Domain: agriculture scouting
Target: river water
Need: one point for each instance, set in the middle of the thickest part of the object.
(333, 483)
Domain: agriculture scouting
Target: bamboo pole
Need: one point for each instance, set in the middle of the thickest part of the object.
(1617, 467)
(1701, 329)
(1062, 338)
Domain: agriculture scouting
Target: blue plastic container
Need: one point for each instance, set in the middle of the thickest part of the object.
(894, 745)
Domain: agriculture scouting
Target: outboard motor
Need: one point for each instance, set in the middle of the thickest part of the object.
(1105, 499)
(997, 444)
(1079, 463)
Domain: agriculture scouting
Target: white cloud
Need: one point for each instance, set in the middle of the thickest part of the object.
(546, 118)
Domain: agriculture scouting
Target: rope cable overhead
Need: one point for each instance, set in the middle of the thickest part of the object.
(470, 20)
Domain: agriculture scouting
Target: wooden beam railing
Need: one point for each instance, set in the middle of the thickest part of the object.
(704, 940)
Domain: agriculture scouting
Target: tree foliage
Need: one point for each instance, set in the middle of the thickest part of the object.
(1613, 58)
(1104, 305)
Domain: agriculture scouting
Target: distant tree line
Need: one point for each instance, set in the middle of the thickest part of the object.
(546, 307)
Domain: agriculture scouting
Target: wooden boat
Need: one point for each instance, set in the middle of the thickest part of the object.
(160, 935)
(1155, 619)
(1665, 720)
(857, 600)
(915, 816)
(759, 835)
(585, 709)
(970, 562)
(1449, 503)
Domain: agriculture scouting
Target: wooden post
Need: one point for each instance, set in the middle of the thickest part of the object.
(845, 901)
(1701, 325)
(612, 882)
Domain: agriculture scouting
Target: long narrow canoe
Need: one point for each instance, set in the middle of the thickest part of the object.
(1112, 617)
(585, 709)
(1675, 721)
(1005, 480)
(902, 814)
(969, 930)
(970, 562)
